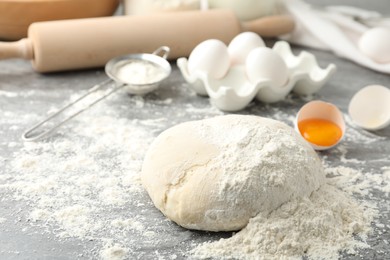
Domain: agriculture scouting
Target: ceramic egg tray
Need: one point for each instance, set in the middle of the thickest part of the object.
(234, 91)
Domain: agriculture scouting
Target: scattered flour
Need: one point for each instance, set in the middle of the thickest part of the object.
(386, 181)
(358, 182)
(8, 94)
(81, 183)
(75, 182)
(128, 224)
(318, 226)
(113, 251)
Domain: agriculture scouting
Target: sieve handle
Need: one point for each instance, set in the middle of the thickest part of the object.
(164, 50)
(38, 131)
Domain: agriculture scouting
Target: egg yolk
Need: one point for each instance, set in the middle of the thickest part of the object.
(320, 131)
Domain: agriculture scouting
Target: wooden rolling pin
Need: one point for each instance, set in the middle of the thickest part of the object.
(87, 43)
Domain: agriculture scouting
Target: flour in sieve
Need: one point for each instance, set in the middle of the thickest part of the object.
(140, 72)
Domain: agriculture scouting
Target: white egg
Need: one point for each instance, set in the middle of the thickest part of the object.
(242, 44)
(369, 108)
(263, 63)
(210, 56)
(375, 44)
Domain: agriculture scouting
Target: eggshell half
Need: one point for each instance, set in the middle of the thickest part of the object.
(321, 110)
(369, 108)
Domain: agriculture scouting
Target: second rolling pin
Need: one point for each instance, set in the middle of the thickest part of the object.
(87, 43)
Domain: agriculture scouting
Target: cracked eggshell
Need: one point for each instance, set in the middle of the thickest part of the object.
(211, 57)
(264, 63)
(321, 110)
(369, 108)
(241, 45)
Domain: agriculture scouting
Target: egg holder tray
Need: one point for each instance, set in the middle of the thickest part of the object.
(234, 91)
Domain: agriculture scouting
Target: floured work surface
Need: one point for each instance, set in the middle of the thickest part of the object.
(77, 195)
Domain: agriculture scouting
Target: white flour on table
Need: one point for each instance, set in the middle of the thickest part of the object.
(80, 178)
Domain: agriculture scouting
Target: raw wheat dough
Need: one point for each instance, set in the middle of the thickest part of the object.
(216, 174)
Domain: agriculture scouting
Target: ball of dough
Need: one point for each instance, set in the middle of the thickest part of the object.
(216, 174)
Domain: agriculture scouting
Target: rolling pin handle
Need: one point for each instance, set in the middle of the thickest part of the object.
(20, 49)
(270, 26)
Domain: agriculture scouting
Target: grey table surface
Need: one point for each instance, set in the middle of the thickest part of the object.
(20, 240)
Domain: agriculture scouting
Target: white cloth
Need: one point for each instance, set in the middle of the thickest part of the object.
(335, 29)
